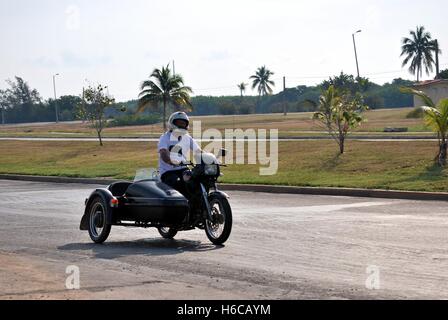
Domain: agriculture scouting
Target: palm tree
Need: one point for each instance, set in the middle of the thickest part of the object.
(242, 87)
(436, 117)
(164, 87)
(418, 50)
(262, 82)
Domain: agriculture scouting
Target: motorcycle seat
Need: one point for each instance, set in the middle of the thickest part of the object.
(118, 189)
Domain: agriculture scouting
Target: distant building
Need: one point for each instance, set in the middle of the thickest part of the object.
(435, 89)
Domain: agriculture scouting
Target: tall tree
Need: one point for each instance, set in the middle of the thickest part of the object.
(22, 100)
(347, 83)
(443, 74)
(261, 80)
(418, 50)
(21, 93)
(166, 88)
(242, 87)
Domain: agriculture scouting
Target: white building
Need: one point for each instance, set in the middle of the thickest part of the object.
(435, 89)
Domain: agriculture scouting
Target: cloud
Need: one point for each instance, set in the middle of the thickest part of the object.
(218, 55)
(69, 59)
(45, 62)
(372, 16)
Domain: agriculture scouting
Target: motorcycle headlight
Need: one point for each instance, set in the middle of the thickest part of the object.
(211, 169)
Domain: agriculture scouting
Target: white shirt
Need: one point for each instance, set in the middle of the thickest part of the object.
(177, 145)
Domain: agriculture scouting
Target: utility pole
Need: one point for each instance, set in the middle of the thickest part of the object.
(55, 98)
(356, 53)
(83, 104)
(3, 114)
(2, 108)
(284, 96)
(437, 59)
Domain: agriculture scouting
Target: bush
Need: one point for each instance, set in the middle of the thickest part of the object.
(246, 108)
(227, 108)
(134, 120)
(417, 113)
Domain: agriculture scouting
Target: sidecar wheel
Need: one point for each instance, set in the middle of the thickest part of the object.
(167, 233)
(98, 228)
(218, 231)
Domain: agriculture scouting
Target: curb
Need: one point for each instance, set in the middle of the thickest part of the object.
(340, 192)
(57, 179)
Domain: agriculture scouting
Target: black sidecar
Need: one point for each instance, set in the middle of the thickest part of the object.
(146, 203)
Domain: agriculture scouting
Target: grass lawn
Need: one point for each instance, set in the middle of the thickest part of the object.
(294, 124)
(383, 165)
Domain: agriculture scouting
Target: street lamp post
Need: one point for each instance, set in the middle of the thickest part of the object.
(55, 98)
(356, 54)
(3, 114)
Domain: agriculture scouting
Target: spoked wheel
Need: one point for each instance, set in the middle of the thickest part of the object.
(98, 228)
(167, 233)
(218, 230)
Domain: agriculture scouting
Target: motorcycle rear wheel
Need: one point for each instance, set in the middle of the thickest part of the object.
(167, 233)
(99, 230)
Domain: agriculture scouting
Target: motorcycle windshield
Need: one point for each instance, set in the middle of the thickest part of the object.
(147, 174)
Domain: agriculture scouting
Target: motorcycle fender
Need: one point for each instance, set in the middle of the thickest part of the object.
(219, 193)
(107, 197)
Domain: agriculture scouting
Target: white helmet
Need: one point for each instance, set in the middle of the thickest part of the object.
(177, 116)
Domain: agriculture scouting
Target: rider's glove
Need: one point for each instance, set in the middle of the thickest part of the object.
(177, 159)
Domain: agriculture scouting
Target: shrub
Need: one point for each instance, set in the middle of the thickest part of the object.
(416, 113)
(134, 120)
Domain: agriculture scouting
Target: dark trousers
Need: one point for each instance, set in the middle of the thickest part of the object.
(188, 189)
(175, 180)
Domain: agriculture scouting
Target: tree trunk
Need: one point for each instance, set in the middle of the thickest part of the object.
(99, 137)
(341, 145)
(3, 115)
(443, 152)
(99, 128)
(164, 114)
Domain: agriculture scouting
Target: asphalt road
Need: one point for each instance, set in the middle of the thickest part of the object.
(316, 138)
(281, 247)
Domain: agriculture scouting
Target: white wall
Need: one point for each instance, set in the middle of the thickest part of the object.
(435, 91)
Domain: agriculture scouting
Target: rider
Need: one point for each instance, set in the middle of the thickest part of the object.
(174, 148)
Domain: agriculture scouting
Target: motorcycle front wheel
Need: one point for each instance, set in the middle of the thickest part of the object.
(218, 230)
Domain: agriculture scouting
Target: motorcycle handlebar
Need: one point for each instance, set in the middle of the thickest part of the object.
(192, 164)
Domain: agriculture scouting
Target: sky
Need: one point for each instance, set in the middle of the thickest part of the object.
(215, 45)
